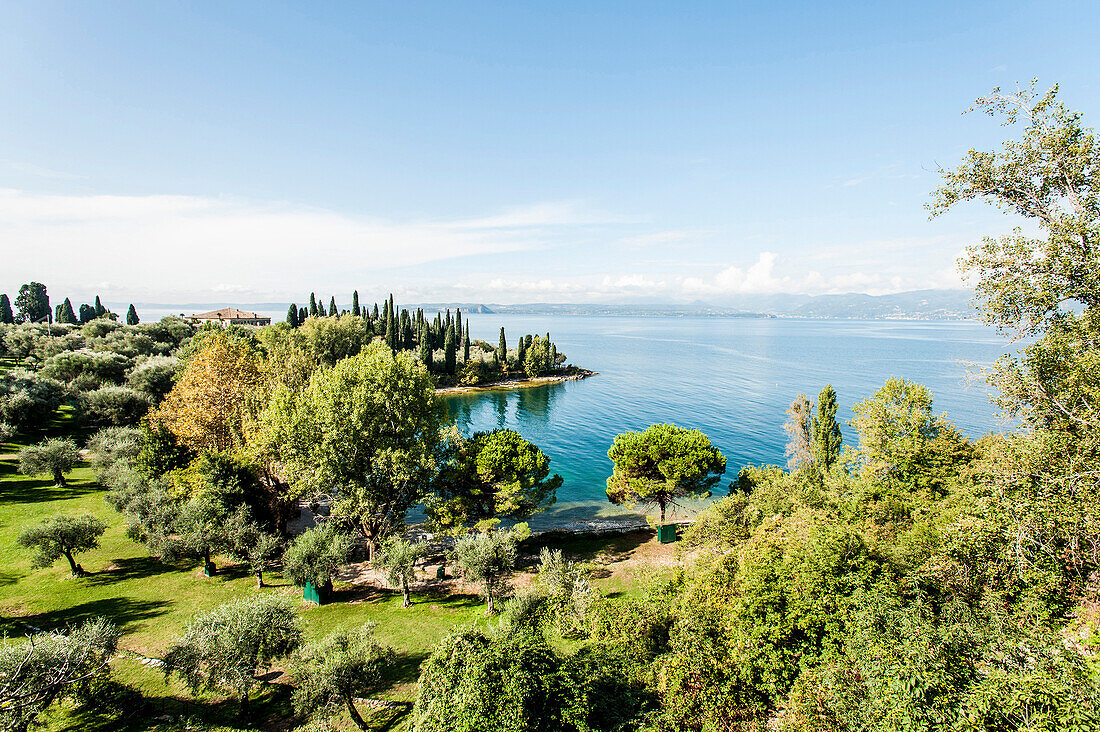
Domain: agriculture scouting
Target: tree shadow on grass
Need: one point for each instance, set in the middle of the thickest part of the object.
(271, 710)
(128, 568)
(407, 668)
(39, 490)
(122, 611)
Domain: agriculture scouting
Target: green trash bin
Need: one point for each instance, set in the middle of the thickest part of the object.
(210, 569)
(315, 594)
(666, 533)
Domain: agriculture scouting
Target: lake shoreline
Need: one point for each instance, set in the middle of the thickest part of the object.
(524, 382)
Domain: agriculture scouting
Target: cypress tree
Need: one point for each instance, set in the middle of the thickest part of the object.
(312, 305)
(466, 344)
(391, 334)
(100, 311)
(406, 331)
(502, 351)
(392, 313)
(529, 338)
(332, 306)
(425, 348)
(458, 323)
(302, 315)
(6, 315)
(292, 315)
(321, 313)
(67, 314)
(825, 431)
(449, 350)
(374, 315)
(131, 315)
(57, 313)
(355, 303)
(521, 350)
(553, 355)
(87, 313)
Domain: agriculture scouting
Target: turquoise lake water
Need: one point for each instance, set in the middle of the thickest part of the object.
(732, 378)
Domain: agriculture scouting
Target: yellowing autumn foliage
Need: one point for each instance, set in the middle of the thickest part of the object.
(207, 407)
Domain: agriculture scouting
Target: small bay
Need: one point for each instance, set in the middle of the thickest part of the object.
(732, 378)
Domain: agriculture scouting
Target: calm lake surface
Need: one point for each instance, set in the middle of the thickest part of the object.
(732, 378)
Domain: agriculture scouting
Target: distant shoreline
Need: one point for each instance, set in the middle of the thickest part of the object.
(520, 382)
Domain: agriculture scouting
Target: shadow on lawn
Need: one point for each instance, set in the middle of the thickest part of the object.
(128, 568)
(122, 611)
(39, 490)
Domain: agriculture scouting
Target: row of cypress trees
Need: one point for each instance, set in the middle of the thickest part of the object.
(405, 330)
(33, 304)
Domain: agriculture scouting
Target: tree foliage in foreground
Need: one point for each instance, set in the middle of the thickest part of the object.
(342, 667)
(49, 668)
(488, 558)
(223, 649)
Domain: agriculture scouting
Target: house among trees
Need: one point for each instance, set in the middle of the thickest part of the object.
(229, 316)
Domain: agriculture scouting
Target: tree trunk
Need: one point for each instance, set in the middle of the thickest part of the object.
(73, 566)
(245, 708)
(58, 477)
(354, 714)
(490, 609)
(662, 505)
(259, 578)
(406, 599)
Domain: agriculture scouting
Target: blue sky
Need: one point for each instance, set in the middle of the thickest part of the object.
(504, 152)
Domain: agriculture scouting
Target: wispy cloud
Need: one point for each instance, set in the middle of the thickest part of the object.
(177, 246)
(40, 172)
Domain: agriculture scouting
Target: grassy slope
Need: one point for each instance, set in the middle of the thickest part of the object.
(152, 601)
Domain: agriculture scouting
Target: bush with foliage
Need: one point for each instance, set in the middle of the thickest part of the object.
(116, 405)
(28, 401)
(315, 555)
(488, 558)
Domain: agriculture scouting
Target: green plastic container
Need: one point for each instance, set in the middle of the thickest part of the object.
(210, 569)
(315, 595)
(666, 533)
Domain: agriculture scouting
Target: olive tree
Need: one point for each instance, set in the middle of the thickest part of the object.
(51, 667)
(222, 649)
(340, 668)
(398, 558)
(54, 456)
(247, 542)
(316, 554)
(487, 559)
(63, 536)
(661, 465)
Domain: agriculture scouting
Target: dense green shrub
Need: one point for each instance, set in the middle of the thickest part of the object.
(27, 400)
(116, 405)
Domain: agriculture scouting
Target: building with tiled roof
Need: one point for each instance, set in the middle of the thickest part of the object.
(229, 316)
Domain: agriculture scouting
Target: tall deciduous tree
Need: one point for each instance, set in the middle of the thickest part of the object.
(63, 536)
(365, 431)
(207, 407)
(32, 302)
(661, 465)
(826, 430)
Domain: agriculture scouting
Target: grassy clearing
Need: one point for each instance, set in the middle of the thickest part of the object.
(152, 601)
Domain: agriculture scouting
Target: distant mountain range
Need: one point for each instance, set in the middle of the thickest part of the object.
(915, 305)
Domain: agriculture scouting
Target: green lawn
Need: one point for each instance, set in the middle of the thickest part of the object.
(152, 601)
